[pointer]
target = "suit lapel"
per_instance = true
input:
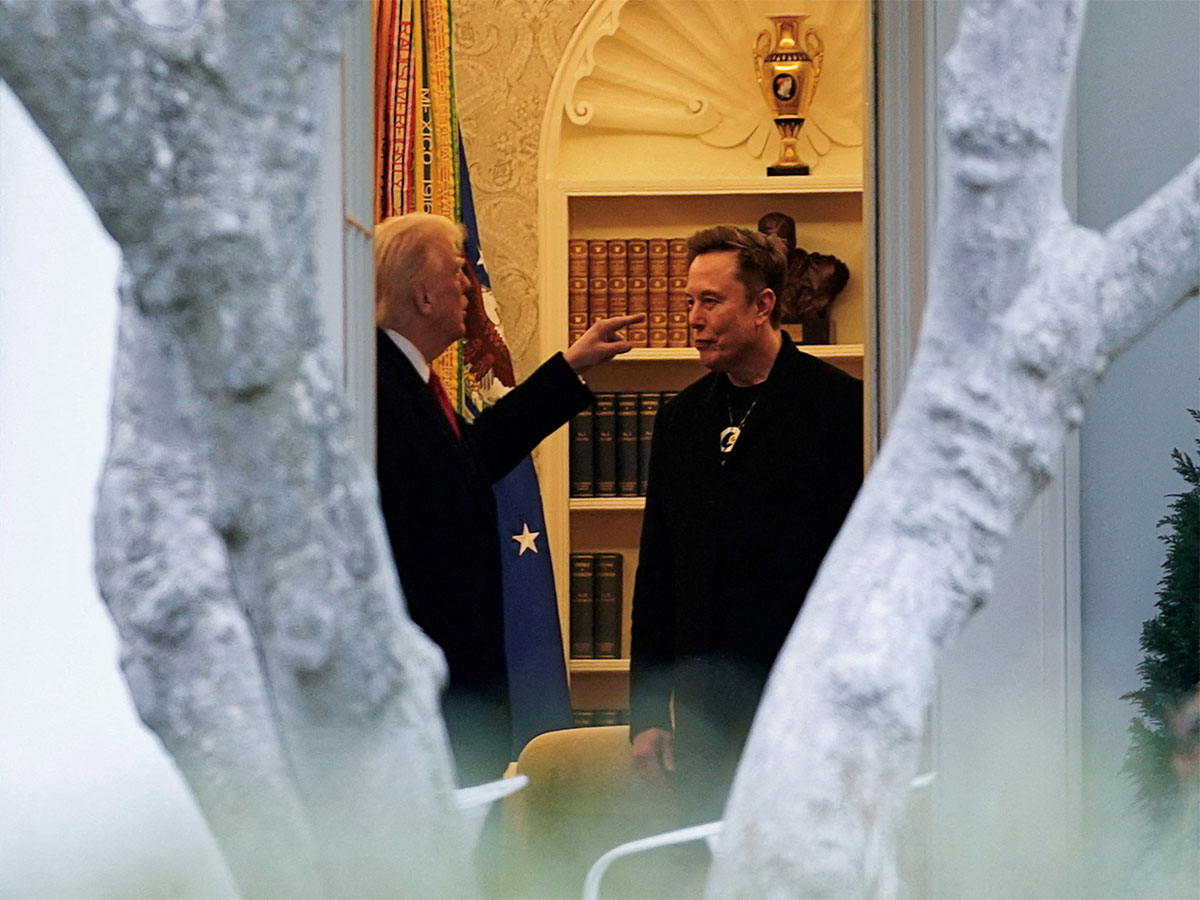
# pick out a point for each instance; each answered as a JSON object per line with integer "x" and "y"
{"x": 422, "y": 397}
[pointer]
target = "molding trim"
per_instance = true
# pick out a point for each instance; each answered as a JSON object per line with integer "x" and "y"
{"x": 358, "y": 254}
{"x": 904, "y": 157}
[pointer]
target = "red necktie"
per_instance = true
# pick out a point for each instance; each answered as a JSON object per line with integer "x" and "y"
{"x": 443, "y": 399}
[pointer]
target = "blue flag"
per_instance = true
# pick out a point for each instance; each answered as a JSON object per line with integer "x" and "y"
{"x": 537, "y": 675}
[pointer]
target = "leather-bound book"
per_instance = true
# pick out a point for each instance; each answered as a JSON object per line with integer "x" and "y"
{"x": 618, "y": 295}
{"x": 597, "y": 280}
{"x": 636, "y": 257}
{"x": 639, "y": 302}
{"x": 608, "y": 606}
{"x": 577, "y": 288}
{"x": 604, "y": 444}
{"x": 677, "y": 311}
{"x": 582, "y": 455}
{"x": 618, "y": 262}
{"x": 577, "y": 258}
{"x": 618, "y": 279}
{"x": 677, "y": 268}
{"x": 577, "y": 307}
{"x": 638, "y": 264}
{"x": 677, "y": 262}
{"x": 627, "y": 444}
{"x": 656, "y": 292}
{"x": 656, "y": 264}
{"x": 657, "y": 250}
{"x": 583, "y": 606}
{"x": 647, "y": 409}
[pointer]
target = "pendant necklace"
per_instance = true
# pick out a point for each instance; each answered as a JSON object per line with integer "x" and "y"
{"x": 730, "y": 435}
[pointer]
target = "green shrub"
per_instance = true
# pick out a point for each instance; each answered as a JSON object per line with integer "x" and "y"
{"x": 1163, "y": 759}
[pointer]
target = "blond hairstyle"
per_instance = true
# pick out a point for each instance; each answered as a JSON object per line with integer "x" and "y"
{"x": 401, "y": 255}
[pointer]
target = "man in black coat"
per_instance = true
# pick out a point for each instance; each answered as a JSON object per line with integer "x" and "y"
{"x": 436, "y": 471}
{"x": 752, "y": 470}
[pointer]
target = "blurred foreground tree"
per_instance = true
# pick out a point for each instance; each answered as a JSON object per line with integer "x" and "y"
{"x": 1026, "y": 311}
{"x": 238, "y": 543}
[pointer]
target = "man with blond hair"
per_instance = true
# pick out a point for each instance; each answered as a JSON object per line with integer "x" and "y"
{"x": 436, "y": 470}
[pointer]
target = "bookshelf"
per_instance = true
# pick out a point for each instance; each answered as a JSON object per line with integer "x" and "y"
{"x": 829, "y": 216}
{"x": 642, "y": 181}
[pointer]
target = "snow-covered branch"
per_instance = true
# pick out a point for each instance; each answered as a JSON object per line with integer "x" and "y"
{"x": 1153, "y": 261}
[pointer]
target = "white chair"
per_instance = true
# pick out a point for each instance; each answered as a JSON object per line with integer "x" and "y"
{"x": 475, "y": 801}
{"x": 709, "y": 831}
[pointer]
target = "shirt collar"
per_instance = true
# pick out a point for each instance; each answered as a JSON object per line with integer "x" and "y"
{"x": 411, "y": 352}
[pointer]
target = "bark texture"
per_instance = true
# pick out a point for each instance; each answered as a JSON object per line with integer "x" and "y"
{"x": 1026, "y": 312}
{"x": 238, "y": 543}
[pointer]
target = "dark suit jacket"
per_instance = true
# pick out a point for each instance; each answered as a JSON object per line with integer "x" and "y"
{"x": 436, "y": 497}
{"x": 728, "y": 551}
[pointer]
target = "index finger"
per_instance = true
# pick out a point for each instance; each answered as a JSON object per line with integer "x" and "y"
{"x": 621, "y": 321}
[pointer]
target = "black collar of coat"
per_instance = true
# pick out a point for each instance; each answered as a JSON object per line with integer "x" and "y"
{"x": 778, "y": 390}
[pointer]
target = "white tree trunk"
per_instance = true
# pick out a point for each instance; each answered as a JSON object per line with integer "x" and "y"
{"x": 239, "y": 547}
{"x": 1026, "y": 311}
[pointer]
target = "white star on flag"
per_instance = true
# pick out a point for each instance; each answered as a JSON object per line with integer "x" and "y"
{"x": 527, "y": 539}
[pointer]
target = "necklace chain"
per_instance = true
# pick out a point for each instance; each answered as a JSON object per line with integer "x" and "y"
{"x": 730, "y": 435}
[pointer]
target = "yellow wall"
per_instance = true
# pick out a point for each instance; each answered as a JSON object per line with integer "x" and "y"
{"x": 505, "y": 56}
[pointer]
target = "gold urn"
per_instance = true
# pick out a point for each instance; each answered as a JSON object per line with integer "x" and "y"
{"x": 788, "y": 70}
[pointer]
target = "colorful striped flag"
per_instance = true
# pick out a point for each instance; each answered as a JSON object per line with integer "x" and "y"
{"x": 422, "y": 167}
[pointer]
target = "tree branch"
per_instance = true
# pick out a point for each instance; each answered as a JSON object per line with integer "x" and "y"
{"x": 195, "y": 139}
{"x": 188, "y": 650}
{"x": 1025, "y": 312}
{"x": 1003, "y": 90}
{"x": 1153, "y": 261}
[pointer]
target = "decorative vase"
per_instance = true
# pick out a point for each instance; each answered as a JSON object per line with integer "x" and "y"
{"x": 788, "y": 74}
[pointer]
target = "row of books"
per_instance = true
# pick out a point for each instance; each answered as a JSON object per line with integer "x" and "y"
{"x": 596, "y": 601}
{"x": 585, "y": 718}
{"x": 630, "y": 275}
{"x": 610, "y": 444}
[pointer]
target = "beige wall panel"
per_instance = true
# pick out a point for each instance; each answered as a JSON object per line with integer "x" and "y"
{"x": 505, "y": 56}
{"x": 668, "y": 89}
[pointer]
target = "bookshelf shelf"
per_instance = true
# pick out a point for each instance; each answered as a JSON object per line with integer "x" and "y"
{"x": 690, "y": 354}
{"x": 606, "y": 504}
{"x": 591, "y": 666}
{"x": 759, "y": 184}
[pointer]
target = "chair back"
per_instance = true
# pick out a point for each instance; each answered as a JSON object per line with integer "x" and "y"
{"x": 584, "y": 797}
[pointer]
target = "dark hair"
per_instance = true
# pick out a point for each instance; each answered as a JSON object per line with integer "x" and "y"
{"x": 761, "y": 258}
{"x": 782, "y": 226}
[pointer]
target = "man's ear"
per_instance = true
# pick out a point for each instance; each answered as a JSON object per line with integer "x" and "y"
{"x": 765, "y": 304}
{"x": 421, "y": 300}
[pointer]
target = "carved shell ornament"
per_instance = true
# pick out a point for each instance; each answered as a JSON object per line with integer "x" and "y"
{"x": 686, "y": 68}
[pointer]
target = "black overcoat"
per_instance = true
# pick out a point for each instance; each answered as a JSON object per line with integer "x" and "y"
{"x": 731, "y": 542}
{"x": 436, "y": 497}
